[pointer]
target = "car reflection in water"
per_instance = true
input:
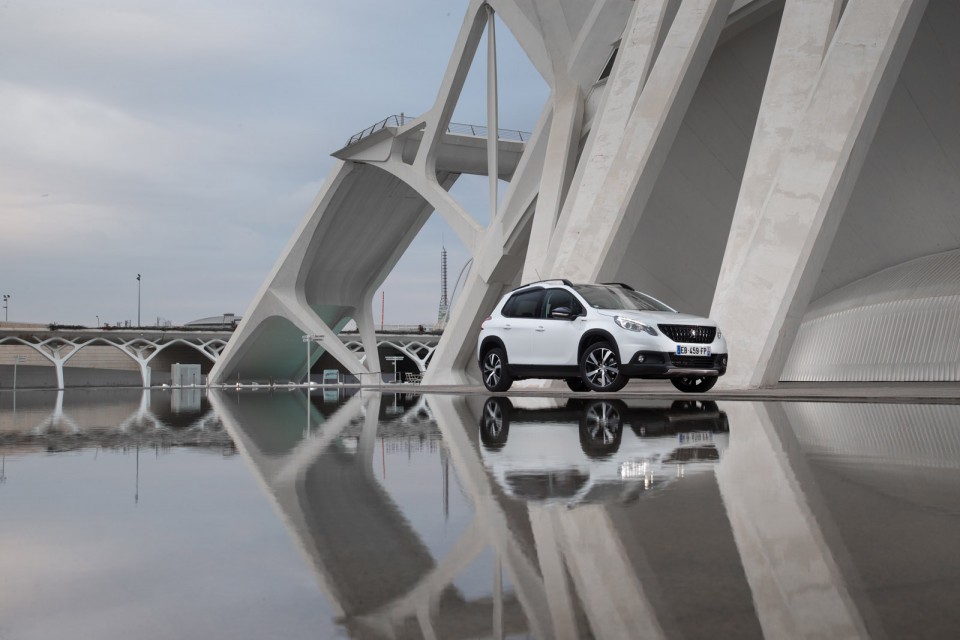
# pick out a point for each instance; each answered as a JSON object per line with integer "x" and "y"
{"x": 597, "y": 450}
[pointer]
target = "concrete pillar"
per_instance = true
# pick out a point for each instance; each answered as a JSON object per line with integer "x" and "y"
{"x": 806, "y": 28}
{"x": 771, "y": 271}
{"x": 637, "y": 124}
{"x": 562, "y": 144}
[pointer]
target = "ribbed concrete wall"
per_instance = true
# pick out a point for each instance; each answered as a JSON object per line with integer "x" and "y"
{"x": 901, "y": 324}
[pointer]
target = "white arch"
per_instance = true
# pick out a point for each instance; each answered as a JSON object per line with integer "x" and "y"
{"x": 51, "y": 348}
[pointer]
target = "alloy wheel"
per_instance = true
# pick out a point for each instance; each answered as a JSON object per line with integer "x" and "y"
{"x": 602, "y": 368}
{"x": 492, "y": 370}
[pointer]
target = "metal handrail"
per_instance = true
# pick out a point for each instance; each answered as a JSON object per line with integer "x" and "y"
{"x": 474, "y": 130}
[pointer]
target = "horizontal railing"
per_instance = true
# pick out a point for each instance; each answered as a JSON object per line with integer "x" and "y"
{"x": 454, "y": 128}
{"x": 402, "y": 329}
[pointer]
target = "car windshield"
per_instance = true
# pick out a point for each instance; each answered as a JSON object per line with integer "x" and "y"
{"x": 604, "y": 297}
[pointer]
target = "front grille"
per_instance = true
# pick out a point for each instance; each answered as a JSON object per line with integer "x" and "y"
{"x": 688, "y": 333}
{"x": 692, "y": 362}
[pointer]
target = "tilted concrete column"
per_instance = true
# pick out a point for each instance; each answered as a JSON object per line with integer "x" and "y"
{"x": 634, "y": 135}
{"x": 497, "y": 263}
{"x": 799, "y": 591}
{"x": 771, "y": 270}
{"x": 368, "y": 334}
{"x": 806, "y": 28}
{"x": 562, "y": 143}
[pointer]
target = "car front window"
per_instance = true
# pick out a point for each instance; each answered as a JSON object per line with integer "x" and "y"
{"x": 603, "y": 297}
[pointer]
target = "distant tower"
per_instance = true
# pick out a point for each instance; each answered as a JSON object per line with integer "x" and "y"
{"x": 442, "y": 317}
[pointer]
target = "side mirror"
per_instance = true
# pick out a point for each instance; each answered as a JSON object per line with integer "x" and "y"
{"x": 562, "y": 313}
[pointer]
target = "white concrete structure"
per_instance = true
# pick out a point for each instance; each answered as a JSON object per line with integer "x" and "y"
{"x": 746, "y": 159}
{"x": 58, "y": 347}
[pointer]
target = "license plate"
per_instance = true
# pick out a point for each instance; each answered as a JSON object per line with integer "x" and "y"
{"x": 693, "y": 350}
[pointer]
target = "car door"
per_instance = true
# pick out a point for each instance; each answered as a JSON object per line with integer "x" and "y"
{"x": 556, "y": 339}
{"x": 521, "y": 317}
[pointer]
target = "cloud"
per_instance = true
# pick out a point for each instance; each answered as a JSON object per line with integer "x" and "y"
{"x": 186, "y": 140}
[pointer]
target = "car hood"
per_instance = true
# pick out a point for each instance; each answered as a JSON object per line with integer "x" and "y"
{"x": 665, "y": 317}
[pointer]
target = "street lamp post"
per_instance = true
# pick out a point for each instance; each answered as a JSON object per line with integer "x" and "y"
{"x": 98, "y": 322}
{"x": 309, "y": 338}
{"x": 138, "y": 299}
{"x": 394, "y": 360}
{"x": 17, "y": 360}
{"x": 6, "y": 304}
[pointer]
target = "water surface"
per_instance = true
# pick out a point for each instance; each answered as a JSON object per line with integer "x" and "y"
{"x": 249, "y": 515}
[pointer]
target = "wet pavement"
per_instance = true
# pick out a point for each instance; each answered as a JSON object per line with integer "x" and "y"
{"x": 349, "y": 514}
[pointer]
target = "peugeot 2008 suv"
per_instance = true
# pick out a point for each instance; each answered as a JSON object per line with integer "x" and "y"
{"x": 596, "y": 337}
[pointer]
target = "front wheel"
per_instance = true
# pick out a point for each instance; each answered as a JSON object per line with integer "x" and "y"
{"x": 601, "y": 427}
{"x": 494, "y": 370}
{"x": 694, "y": 384}
{"x": 600, "y": 368}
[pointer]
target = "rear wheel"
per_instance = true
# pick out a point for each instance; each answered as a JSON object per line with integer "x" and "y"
{"x": 600, "y": 368}
{"x": 494, "y": 370}
{"x": 495, "y": 423}
{"x": 694, "y": 384}
{"x": 576, "y": 384}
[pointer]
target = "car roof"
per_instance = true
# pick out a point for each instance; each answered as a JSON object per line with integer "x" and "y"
{"x": 539, "y": 284}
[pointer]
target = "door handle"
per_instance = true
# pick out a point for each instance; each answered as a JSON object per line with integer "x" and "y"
{"x": 506, "y": 326}
{"x": 540, "y": 329}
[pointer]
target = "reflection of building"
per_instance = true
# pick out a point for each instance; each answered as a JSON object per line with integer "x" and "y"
{"x": 816, "y": 523}
{"x": 845, "y": 516}
{"x": 377, "y": 573}
{"x": 558, "y": 573}
{"x": 787, "y": 166}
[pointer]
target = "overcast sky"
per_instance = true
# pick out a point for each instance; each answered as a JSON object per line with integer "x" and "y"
{"x": 184, "y": 141}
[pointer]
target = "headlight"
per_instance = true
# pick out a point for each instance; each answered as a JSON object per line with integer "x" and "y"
{"x": 633, "y": 325}
{"x": 719, "y": 334}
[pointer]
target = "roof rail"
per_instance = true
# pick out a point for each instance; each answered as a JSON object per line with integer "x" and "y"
{"x": 619, "y": 284}
{"x": 563, "y": 280}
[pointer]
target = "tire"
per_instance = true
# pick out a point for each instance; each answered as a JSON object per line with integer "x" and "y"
{"x": 601, "y": 428}
{"x": 576, "y": 384}
{"x": 600, "y": 368}
{"x": 495, "y": 423}
{"x": 493, "y": 369}
{"x": 694, "y": 384}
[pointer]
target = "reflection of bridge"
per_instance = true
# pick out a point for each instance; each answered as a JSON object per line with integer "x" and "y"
{"x": 147, "y": 349}
{"x": 772, "y": 540}
{"x": 117, "y": 419}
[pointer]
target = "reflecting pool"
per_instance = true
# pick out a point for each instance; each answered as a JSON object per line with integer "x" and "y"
{"x": 332, "y": 514}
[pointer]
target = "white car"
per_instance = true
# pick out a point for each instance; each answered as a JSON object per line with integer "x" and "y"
{"x": 596, "y": 337}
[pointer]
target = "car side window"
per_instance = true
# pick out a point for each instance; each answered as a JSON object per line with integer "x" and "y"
{"x": 560, "y": 298}
{"x": 525, "y": 304}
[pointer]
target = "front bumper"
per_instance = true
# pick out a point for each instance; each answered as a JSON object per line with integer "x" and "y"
{"x": 660, "y": 364}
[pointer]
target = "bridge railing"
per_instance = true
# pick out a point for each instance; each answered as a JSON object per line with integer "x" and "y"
{"x": 456, "y": 128}
{"x": 402, "y": 329}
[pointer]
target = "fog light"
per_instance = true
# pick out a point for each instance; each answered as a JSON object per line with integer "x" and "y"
{"x": 723, "y": 361}
{"x": 641, "y": 358}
